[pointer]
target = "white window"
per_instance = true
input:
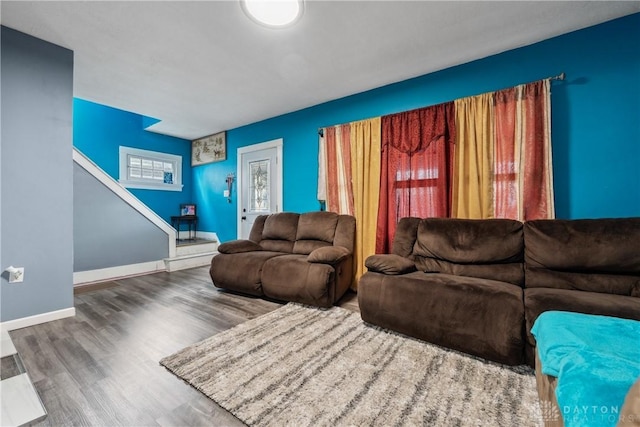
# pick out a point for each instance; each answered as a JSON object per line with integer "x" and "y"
{"x": 150, "y": 170}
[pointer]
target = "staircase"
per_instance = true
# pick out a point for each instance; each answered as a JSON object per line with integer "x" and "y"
{"x": 182, "y": 253}
{"x": 192, "y": 253}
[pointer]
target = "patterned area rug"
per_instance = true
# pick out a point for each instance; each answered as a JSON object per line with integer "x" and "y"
{"x": 306, "y": 366}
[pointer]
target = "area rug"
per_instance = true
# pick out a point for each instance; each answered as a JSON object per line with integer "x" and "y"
{"x": 306, "y": 366}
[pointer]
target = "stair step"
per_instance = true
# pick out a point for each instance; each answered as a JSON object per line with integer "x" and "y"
{"x": 199, "y": 248}
{"x": 189, "y": 261}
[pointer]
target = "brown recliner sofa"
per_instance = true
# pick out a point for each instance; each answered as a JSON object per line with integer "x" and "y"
{"x": 305, "y": 258}
{"x": 478, "y": 285}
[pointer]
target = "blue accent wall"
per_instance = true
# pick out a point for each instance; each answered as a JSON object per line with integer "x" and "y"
{"x": 99, "y": 131}
{"x": 595, "y": 124}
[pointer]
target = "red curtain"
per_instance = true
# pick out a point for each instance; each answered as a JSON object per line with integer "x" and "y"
{"x": 538, "y": 178}
{"x": 416, "y": 167}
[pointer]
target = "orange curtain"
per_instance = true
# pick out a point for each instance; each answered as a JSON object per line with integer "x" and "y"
{"x": 339, "y": 190}
{"x": 523, "y": 173}
{"x": 507, "y": 203}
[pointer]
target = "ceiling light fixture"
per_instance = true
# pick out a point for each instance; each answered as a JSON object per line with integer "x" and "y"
{"x": 273, "y": 13}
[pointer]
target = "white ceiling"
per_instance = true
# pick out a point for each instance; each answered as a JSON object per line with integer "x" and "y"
{"x": 202, "y": 67}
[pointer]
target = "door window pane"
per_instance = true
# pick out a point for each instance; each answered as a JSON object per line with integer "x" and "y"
{"x": 259, "y": 186}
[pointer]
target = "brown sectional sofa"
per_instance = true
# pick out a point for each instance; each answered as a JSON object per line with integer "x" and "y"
{"x": 588, "y": 266}
{"x": 478, "y": 285}
{"x": 306, "y": 258}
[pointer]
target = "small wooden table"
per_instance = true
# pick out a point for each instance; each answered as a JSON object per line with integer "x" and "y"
{"x": 190, "y": 220}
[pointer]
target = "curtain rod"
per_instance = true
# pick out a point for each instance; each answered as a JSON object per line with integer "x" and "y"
{"x": 560, "y": 76}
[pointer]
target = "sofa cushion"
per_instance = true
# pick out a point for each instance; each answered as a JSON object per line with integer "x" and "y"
{"x": 390, "y": 264}
{"x": 281, "y": 226}
{"x": 328, "y": 255}
{"x": 510, "y": 273}
{"x": 315, "y": 230}
{"x": 240, "y": 271}
{"x": 305, "y": 247}
{"x": 279, "y": 232}
{"x": 617, "y": 284}
{"x": 238, "y": 246}
{"x": 539, "y": 300}
{"x": 345, "y": 232}
{"x": 594, "y": 255}
{"x": 467, "y": 241}
{"x": 405, "y": 237}
{"x": 477, "y": 316}
{"x": 489, "y": 248}
{"x": 317, "y": 226}
{"x": 292, "y": 278}
{"x": 255, "y": 234}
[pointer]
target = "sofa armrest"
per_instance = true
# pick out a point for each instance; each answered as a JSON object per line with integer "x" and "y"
{"x": 239, "y": 246}
{"x": 390, "y": 264}
{"x": 328, "y": 255}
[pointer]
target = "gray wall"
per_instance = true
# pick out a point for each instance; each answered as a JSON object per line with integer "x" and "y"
{"x": 36, "y": 175}
{"x": 125, "y": 236}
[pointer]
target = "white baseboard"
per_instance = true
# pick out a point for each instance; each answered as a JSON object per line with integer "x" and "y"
{"x": 118, "y": 272}
{"x": 24, "y": 322}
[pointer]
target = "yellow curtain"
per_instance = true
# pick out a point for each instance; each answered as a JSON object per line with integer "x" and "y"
{"x": 472, "y": 171}
{"x": 365, "y": 176}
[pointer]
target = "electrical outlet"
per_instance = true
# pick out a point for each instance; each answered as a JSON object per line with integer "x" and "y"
{"x": 16, "y": 274}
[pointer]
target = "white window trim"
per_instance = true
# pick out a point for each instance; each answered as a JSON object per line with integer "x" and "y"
{"x": 175, "y": 159}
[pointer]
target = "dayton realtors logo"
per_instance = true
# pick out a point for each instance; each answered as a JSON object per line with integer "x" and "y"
{"x": 593, "y": 414}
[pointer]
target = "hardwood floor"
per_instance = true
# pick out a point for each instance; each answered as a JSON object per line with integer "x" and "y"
{"x": 101, "y": 368}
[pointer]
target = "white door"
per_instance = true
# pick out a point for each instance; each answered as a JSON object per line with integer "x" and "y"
{"x": 259, "y": 183}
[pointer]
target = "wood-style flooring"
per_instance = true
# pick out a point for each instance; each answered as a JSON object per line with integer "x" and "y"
{"x": 100, "y": 368}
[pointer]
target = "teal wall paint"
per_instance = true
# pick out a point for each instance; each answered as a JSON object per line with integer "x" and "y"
{"x": 595, "y": 125}
{"x": 99, "y": 131}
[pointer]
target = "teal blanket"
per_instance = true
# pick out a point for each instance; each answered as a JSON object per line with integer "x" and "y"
{"x": 596, "y": 360}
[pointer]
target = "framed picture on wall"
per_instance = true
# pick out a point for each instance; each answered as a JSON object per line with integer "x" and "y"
{"x": 209, "y": 149}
